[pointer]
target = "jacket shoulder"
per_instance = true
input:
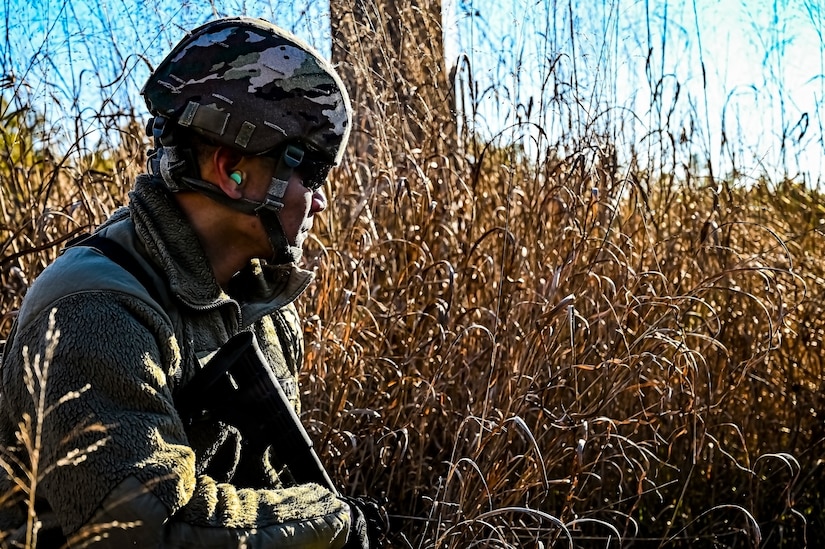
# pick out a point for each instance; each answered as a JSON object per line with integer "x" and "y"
{"x": 80, "y": 269}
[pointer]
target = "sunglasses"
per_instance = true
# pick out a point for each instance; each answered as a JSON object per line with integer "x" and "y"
{"x": 312, "y": 166}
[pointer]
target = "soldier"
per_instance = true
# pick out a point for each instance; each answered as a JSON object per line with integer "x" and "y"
{"x": 248, "y": 120}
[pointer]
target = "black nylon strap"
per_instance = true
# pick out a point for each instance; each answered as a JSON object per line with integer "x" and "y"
{"x": 119, "y": 255}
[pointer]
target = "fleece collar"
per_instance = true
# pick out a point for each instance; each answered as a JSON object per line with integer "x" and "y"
{"x": 163, "y": 229}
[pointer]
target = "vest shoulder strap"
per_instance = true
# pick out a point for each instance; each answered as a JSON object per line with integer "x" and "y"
{"x": 124, "y": 259}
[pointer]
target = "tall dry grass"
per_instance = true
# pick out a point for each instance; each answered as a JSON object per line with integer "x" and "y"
{"x": 564, "y": 342}
{"x": 513, "y": 352}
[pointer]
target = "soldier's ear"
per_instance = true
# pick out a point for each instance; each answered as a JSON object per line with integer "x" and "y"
{"x": 225, "y": 173}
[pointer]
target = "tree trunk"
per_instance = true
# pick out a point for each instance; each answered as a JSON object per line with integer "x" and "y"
{"x": 391, "y": 55}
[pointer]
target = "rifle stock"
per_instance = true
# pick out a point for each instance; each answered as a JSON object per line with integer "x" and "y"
{"x": 238, "y": 387}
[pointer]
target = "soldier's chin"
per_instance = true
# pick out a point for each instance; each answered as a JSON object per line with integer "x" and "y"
{"x": 300, "y": 238}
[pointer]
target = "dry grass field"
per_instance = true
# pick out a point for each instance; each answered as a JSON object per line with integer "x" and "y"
{"x": 525, "y": 349}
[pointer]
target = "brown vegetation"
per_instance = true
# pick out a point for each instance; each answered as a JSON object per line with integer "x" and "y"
{"x": 530, "y": 350}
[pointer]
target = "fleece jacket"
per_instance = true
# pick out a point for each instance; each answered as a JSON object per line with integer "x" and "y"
{"x": 89, "y": 378}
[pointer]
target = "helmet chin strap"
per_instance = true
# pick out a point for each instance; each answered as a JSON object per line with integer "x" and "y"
{"x": 283, "y": 251}
{"x": 267, "y": 211}
{"x": 172, "y": 163}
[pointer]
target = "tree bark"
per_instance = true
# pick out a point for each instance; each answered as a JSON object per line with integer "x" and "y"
{"x": 391, "y": 55}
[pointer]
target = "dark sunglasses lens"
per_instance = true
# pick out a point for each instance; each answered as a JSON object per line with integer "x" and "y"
{"x": 309, "y": 164}
{"x": 314, "y": 173}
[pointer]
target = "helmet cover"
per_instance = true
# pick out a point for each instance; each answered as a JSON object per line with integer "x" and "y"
{"x": 251, "y": 86}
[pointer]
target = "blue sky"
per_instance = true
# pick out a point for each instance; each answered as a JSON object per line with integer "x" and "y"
{"x": 762, "y": 82}
{"x": 763, "y": 66}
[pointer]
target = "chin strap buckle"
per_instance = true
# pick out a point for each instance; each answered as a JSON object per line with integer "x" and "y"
{"x": 291, "y": 158}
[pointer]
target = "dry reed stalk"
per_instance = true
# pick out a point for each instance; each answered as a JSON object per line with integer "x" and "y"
{"x": 521, "y": 347}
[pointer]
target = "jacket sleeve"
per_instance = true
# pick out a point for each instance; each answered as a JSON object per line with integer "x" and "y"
{"x": 115, "y": 466}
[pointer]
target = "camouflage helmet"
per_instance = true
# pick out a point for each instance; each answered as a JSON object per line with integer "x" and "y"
{"x": 251, "y": 86}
